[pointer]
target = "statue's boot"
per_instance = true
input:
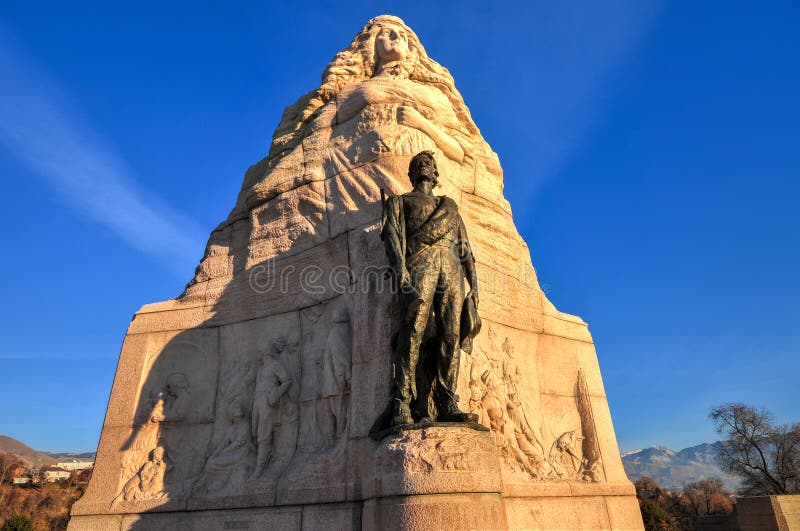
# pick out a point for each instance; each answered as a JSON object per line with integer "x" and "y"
{"x": 450, "y": 413}
{"x": 401, "y": 413}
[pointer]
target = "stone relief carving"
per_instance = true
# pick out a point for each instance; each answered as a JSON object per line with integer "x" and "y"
{"x": 575, "y": 454}
{"x": 182, "y": 447}
{"x": 256, "y": 427}
{"x": 148, "y": 482}
{"x": 381, "y": 98}
{"x": 231, "y": 463}
{"x": 325, "y": 390}
{"x": 381, "y": 95}
{"x": 258, "y": 416}
{"x": 314, "y": 321}
{"x": 259, "y": 398}
{"x": 566, "y": 455}
{"x": 593, "y": 459}
{"x": 230, "y": 456}
{"x": 434, "y": 449}
{"x": 391, "y": 99}
{"x": 325, "y": 384}
{"x": 168, "y": 405}
{"x": 147, "y": 460}
{"x": 336, "y": 369}
{"x": 272, "y": 386}
{"x": 496, "y": 396}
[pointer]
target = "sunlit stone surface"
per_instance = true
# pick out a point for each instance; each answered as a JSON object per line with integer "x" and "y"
{"x": 246, "y": 402}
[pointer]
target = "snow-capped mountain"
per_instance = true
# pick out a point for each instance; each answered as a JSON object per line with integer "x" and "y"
{"x": 673, "y": 469}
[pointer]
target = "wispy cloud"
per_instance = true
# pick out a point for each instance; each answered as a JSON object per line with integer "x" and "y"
{"x": 40, "y": 128}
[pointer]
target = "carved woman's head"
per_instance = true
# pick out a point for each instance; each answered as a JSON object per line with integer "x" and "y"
{"x": 384, "y": 42}
{"x": 391, "y": 44}
{"x": 385, "y": 39}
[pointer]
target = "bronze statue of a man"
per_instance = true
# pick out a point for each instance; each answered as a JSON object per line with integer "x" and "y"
{"x": 427, "y": 245}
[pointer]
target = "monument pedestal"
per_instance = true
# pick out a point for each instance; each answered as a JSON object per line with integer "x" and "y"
{"x": 429, "y": 478}
{"x": 247, "y": 402}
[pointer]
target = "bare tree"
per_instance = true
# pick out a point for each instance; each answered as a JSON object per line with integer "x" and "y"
{"x": 5, "y": 466}
{"x": 764, "y": 456}
{"x": 708, "y": 496}
{"x": 9, "y": 463}
{"x": 653, "y": 502}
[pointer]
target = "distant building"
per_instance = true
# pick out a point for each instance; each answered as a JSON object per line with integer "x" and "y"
{"x": 54, "y": 474}
{"x": 24, "y": 480}
{"x": 75, "y": 464}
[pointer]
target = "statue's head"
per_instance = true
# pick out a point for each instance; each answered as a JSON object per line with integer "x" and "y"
{"x": 423, "y": 166}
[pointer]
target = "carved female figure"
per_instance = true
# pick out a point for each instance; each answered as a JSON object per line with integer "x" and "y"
{"x": 393, "y": 112}
{"x": 381, "y": 97}
{"x": 230, "y": 461}
{"x": 148, "y": 482}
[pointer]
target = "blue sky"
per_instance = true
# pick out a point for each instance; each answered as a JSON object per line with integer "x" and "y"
{"x": 651, "y": 155}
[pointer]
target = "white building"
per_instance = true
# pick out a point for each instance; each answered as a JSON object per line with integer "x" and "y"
{"x": 75, "y": 464}
{"x": 53, "y": 474}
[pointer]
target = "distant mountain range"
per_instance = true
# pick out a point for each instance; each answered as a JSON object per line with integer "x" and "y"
{"x": 675, "y": 469}
{"x": 35, "y": 458}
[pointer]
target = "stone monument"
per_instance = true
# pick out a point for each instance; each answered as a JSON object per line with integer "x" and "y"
{"x": 248, "y": 401}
